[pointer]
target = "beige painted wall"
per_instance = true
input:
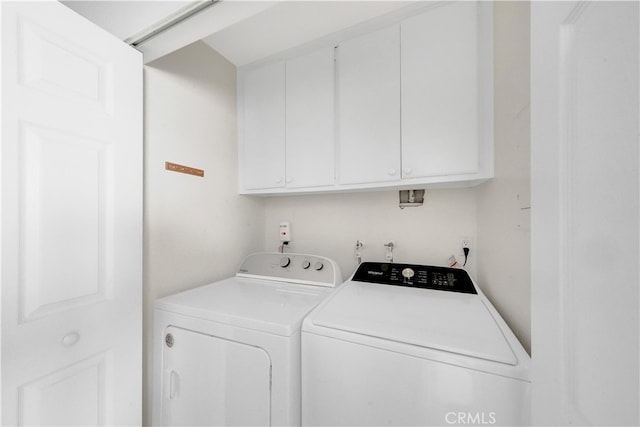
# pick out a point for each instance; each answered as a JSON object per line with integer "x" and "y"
{"x": 196, "y": 229}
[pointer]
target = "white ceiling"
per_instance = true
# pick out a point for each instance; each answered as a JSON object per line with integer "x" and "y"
{"x": 123, "y": 19}
{"x": 242, "y": 31}
{"x": 290, "y": 24}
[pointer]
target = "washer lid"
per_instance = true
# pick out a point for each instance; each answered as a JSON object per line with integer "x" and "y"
{"x": 262, "y": 305}
{"x": 453, "y": 322}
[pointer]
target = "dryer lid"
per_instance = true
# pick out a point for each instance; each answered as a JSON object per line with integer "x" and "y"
{"x": 454, "y": 322}
{"x": 262, "y": 305}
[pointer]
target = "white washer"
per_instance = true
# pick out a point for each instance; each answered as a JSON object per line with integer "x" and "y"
{"x": 402, "y": 344}
{"x": 228, "y": 353}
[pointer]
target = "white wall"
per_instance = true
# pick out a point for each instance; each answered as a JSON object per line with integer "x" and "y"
{"x": 196, "y": 229}
{"x": 494, "y": 215}
{"x": 504, "y": 232}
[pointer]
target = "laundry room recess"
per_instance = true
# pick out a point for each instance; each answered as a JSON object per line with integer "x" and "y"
{"x": 198, "y": 228}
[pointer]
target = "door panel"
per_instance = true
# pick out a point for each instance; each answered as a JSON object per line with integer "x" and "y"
{"x": 585, "y": 213}
{"x": 66, "y": 199}
{"x": 71, "y": 224}
{"x": 53, "y": 64}
{"x": 209, "y": 381}
{"x": 72, "y": 396}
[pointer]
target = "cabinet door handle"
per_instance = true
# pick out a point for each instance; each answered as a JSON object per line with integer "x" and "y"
{"x": 289, "y": 180}
{"x": 391, "y": 172}
{"x": 407, "y": 171}
{"x": 279, "y": 181}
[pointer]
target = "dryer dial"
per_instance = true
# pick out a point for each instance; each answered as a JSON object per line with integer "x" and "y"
{"x": 285, "y": 261}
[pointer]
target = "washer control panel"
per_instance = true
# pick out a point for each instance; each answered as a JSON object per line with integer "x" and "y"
{"x": 415, "y": 276}
{"x": 288, "y": 267}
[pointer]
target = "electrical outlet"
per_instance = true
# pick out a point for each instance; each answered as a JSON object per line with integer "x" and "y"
{"x": 285, "y": 231}
{"x": 466, "y": 243}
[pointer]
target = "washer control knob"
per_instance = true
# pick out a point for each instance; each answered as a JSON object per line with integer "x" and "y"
{"x": 306, "y": 264}
{"x": 285, "y": 261}
{"x": 318, "y": 266}
{"x": 407, "y": 273}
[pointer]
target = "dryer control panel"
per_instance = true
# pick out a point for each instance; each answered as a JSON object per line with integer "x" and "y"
{"x": 415, "y": 276}
{"x": 295, "y": 268}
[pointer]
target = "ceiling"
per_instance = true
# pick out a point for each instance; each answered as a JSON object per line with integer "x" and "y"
{"x": 125, "y": 18}
{"x": 242, "y": 31}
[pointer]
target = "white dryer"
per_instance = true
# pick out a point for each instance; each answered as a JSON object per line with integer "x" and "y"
{"x": 402, "y": 344}
{"x": 228, "y": 353}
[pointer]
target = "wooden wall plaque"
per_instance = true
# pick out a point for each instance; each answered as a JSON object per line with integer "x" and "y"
{"x": 183, "y": 169}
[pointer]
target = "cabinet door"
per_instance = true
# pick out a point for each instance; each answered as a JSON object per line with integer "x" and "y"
{"x": 263, "y": 128}
{"x": 440, "y": 91}
{"x": 309, "y": 120}
{"x": 369, "y": 107}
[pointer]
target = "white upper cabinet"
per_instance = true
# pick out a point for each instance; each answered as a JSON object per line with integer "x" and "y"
{"x": 402, "y": 101}
{"x": 262, "y": 129}
{"x": 309, "y": 119}
{"x": 440, "y": 120}
{"x": 368, "y": 87}
{"x": 286, "y": 133}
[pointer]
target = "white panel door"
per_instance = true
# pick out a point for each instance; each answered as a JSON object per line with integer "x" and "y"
{"x": 211, "y": 381}
{"x": 71, "y": 254}
{"x": 309, "y": 119}
{"x": 262, "y": 132}
{"x": 368, "y": 79}
{"x": 585, "y": 213}
{"x": 440, "y": 132}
